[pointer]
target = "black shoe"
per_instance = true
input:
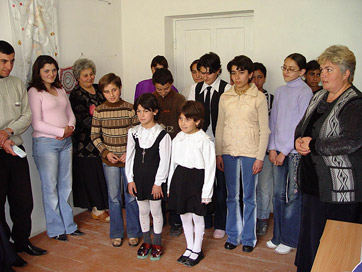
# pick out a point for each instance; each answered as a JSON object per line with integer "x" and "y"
{"x": 61, "y": 237}
{"x": 33, "y": 250}
{"x": 20, "y": 262}
{"x": 175, "y": 230}
{"x": 191, "y": 262}
{"x": 7, "y": 269}
{"x": 261, "y": 227}
{"x": 248, "y": 249}
{"x": 77, "y": 233}
{"x": 229, "y": 246}
{"x": 182, "y": 259}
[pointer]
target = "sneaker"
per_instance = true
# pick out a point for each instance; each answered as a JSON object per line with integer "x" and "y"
{"x": 143, "y": 251}
{"x": 156, "y": 252}
{"x": 218, "y": 234}
{"x": 261, "y": 227}
{"x": 283, "y": 249}
{"x": 271, "y": 245}
{"x": 175, "y": 230}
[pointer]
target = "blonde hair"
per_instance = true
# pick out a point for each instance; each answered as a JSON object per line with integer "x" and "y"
{"x": 340, "y": 55}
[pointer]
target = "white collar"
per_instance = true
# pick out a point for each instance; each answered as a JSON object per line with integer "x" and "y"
{"x": 214, "y": 86}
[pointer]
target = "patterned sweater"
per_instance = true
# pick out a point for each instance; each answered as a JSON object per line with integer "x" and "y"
{"x": 110, "y": 125}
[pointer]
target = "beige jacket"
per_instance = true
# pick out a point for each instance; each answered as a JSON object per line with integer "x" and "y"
{"x": 243, "y": 124}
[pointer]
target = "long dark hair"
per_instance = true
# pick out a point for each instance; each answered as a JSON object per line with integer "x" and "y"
{"x": 36, "y": 80}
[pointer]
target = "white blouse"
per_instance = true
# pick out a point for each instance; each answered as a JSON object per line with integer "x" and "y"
{"x": 195, "y": 151}
{"x": 146, "y": 138}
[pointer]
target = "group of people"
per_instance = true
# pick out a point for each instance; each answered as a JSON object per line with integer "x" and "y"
{"x": 215, "y": 160}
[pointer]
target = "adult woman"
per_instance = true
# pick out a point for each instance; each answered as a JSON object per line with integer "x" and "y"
{"x": 241, "y": 140}
{"x": 89, "y": 185}
{"x": 53, "y": 123}
{"x": 329, "y": 137}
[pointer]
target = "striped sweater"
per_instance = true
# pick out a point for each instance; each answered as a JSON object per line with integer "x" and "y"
{"x": 110, "y": 125}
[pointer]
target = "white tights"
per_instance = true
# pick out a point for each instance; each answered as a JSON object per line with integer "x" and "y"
{"x": 199, "y": 223}
{"x": 153, "y": 206}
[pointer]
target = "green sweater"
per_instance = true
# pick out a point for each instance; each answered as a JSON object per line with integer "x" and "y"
{"x": 110, "y": 125}
{"x": 14, "y": 108}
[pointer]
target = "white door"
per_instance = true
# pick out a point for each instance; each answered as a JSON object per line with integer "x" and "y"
{"x": 227, "y": 36}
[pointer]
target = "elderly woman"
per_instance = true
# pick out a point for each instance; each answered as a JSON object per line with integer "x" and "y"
{"x": 89, "y": 185}
{"x": 329, "y": 138}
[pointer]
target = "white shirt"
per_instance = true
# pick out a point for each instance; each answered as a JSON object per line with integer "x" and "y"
{"x": 146, "y": 138}
{"x": 195, "y": 151}
{"x": 214, "y": 88}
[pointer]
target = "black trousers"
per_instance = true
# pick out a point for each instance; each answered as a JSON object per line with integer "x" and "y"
{"x": 16, "y": 187}
{"x": 7, "y": 253}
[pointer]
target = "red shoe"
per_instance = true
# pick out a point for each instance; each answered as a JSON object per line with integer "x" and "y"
{"x": 143, "y": 251}
{"x": 156, "y": 252}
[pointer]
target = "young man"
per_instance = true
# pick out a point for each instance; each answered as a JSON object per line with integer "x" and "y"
{"x": 313, "y": 76}
{"x": 15, "y": 118}
{"x": 208, "y": 93}
{"x": 264, "y": 189}
{"x": 171, "y": 103}
{"x": 146, "y": 86}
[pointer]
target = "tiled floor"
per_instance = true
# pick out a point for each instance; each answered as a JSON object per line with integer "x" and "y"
{"x": 94, "y": 252}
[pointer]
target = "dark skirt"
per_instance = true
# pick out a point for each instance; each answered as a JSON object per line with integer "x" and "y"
{"x": 314, "y": 217}
{"x": 186, "y": 190}
{"x": 89, "y": 184}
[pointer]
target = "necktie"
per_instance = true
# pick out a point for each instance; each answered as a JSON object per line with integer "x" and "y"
{"x": 207, "y": 109}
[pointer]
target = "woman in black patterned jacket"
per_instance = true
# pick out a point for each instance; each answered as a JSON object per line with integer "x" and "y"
{"x": 329, "y": 138}
{"x": 89, "y": 185}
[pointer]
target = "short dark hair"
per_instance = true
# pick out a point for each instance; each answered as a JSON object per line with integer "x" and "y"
{"x": 299, "y": 59}
{"x": 107, "y": 79}
{"x": 211, "y": 61}
{"x": 36, "y": 80}
{"x": 196, "y": 61}
{"x": 261, "y": 67}
{"x": 162, "y": 76}
{"x": 149, "y": 102}
{"x": 161, "y": 60}
{"x": 312, "y": 65}
{"x": 242, "y": 63}
{"x": 194, "y": 110}
{"x": 6, "y": 48}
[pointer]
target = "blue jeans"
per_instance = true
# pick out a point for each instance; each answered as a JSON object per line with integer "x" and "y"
{"x": 53, "y": 158}
{"x": 287, "y": 201}
{"x": 240, "y": 228}
{"x": 264, "y": 189}
{"x": 114, "y": 177}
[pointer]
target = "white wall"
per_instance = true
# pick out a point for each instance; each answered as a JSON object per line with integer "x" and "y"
{"x": 281, "y": 27}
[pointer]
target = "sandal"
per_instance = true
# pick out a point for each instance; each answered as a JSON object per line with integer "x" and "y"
{"x": 133, "y": 241}
{"x": 103, "y": 217}
{"x": 117, "y": 242}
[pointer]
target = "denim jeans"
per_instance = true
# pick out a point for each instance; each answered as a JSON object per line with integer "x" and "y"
{"x": 240, "y": 228}
{"x": 264, "y": 189}
{"x": 114, "y": 177}
{"x": 53, "y": 159}
{"x": 287, "y": 201}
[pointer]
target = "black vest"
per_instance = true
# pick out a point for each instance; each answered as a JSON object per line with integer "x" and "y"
{"x": 214, "y": 107}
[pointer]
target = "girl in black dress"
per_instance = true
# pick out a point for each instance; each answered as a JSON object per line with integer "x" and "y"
{"x": 191, "y": 178}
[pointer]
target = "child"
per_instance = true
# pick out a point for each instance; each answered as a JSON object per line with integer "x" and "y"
{"x": 241, "y": 140}
{"x": 146, "y": 86}
{"x": 192, "y": 174}
{"x": 290, "y": 103}
{"x": 147, "y": 164}
{"x": 313, "y": 76}
{"x": 110, "y": 124}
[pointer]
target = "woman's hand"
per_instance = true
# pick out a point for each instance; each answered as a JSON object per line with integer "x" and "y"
{"x": 132, "y": 190}
{"x": 123, "y": 158}
{"x": 302, "y": 145}
{"x": 112, "y": 158}
{"x": 156, "y": 192}
{"x": 68, "y": 131}
{"x": 219, "y": 163}
{"x": 257, "y": 167}
{"x": 272, "y": 156}
{"x": 279, "y": 160}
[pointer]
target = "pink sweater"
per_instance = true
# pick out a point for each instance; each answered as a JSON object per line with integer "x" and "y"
{"x": 50, "y": 114}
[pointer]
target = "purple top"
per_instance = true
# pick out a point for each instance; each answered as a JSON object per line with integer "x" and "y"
{"x": 290, "y": 103}
{"x": 146, "y": 86}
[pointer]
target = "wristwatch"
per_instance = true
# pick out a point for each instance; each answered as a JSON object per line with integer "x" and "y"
{"x": 10, "y": 133}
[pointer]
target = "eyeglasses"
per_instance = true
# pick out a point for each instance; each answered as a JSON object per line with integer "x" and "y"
{"x": 292, "y": 70}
